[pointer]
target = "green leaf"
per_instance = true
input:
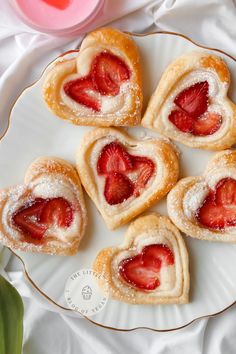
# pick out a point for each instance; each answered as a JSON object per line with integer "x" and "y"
{"x": 11, "y": 319}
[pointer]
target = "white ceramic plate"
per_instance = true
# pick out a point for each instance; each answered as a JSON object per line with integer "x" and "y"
{"x": 34, "y": 131}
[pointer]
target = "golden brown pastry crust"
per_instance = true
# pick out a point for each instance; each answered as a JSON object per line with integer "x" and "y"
{"x": 144, "y": 224}
{"x": 46, "y": 166}
{"x": 225, "y": 137}
{"x": 168, "y": 169}
{"x": 107, "y": 39}
{"x": 222, "y": 162}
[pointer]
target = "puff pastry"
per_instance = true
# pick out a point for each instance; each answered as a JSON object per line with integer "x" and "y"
{"x": 47, "y": 214}
{"x": 204, "y": 207}
{"x": 190, "y": 104}
{"x": 124, "y": 176}
{"x": 101, "y": 85}
{"x": 150, "y": 267}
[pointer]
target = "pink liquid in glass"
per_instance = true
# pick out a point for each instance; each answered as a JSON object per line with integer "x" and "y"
{"x": 57, "y": 14}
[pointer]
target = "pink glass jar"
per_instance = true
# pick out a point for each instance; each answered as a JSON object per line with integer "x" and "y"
{"x": 58, "y": 17}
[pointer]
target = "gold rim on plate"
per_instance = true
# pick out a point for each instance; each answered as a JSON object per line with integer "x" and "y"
{"x": 24, "y": 266}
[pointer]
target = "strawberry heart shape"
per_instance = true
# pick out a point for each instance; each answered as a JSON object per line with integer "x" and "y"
{"x": 205, "y": 207}
{"x": 106, "y": 76}
{"x": 47, "y": 214}
{"x": 218, "y": 210}
{"x": 142, "y": 271}
{"x": 116, "y": 163}
{"x": 124, "y": 176}
{"x": 190, "y": 104}
{"x": 58, "y": 4}
{"x": 150, "y": 267}
{"x": 191, "y": 115}
{"x": 100, "y": 84}
{"x": 35, "y": 218}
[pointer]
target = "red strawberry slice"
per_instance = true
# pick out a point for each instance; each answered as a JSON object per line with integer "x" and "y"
{"x": 194, "y": 99}
{"x": 79, "y": 89}
{"x": 216, "y": 216}
{"x": 182, "y": 120}
{"x": 27, "y": 219}
{"x": 192, "y": 116}
{"x": 133, "y": 271}
{"x": 113, "y": 158}
{"x": 57, "y": 211}
{"x": 219, "y": 208}
{"x": 59, "y": 4}
{"x": 142, "y": 271}
{"x": 116, "y": 162}
{"x": 33, "y": 219}
{"x": 226, "y": 192}
{"x": 145, "y": 169}
{"x": 117, "y": 188}
{"x": 109, "y": 72}
{"x": 207, "y": 124}
{"x": 160, "y": 253}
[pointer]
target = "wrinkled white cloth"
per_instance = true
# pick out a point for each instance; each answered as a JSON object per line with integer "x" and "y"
{"x": 24, "y": 54}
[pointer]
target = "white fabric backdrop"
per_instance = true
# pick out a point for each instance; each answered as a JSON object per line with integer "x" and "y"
{"x": 23, "y": 55}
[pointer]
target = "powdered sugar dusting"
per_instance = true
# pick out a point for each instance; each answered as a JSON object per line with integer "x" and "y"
{"x": 194, "y": 198}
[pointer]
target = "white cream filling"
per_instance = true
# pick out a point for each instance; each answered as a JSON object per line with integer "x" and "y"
{"x": 217, "y": 104}
{"x": 118, "y": 104}
{"x": 170, "y": 276}
{"x": 44, "y": 187}
{"x": 195, "y": 196}
{"x": 153, "y": 182}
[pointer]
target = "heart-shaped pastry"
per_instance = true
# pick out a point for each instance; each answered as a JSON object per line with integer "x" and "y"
{"x": 125, "y": 176}
{"x": 47, "y": 214}
{"x": 99, "y": 86}
{"x": 190, "y": 104}
{"x": 205, "y": 207}
{"x": 150, "y": 267}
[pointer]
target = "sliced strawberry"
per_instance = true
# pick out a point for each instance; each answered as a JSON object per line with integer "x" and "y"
{"x": 216, "y": 216}
{"x": 133, "y": 271}
{"x": 145, "y": 169}
{"x": 34, "y": 218}
{"x": 27, "y": 219}
{"x": 117, "y": 188}
{"x": 226, "y": 192}
{"x": 207, "y": 124}
{"x": 108, "y": 72}
{"x": 157, "y": 253}
{"x": 219, "y": 208}
{"x": 113, "y": 158}
{"x": 192, "y": 116}
{"x": 59, "y": 4}
{"x": 182, "y": 120}
{"x": 142, "y": 271}
{"x": 57, "y": 211}
{"x": 78, "y": 91}
{"x": 194, "y": 99}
